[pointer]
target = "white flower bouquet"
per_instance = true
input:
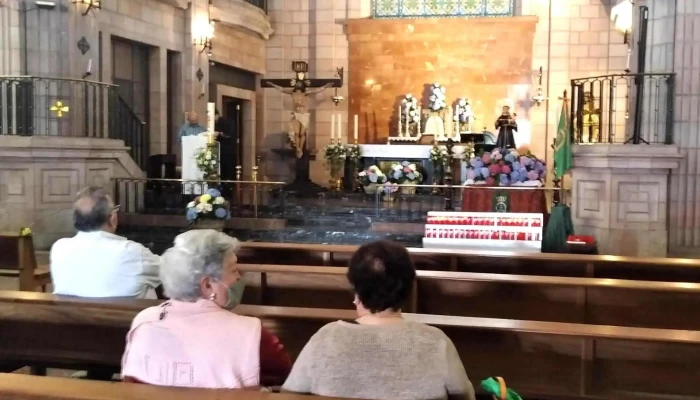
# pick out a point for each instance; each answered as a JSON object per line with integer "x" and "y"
{"x": 405, "y": 173}
{"x": 438, "y": 100}
{"x": 438, "y": 155}
{"x": 207, "y": 160}
{"x": 409, "y": 110}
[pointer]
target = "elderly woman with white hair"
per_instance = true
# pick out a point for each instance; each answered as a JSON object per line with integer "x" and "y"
{"x": 194, "y": 339}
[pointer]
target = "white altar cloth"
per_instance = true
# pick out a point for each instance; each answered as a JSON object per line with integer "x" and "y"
{"x": 405, "y": 151}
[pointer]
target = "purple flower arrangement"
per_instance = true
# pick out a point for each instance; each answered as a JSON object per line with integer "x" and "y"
{"x": 505, "y": 167}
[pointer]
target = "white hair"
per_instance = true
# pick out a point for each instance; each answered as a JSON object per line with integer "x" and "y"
{"x": 196, "y": 254}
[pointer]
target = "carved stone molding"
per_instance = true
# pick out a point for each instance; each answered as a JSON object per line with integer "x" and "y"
{"x": 176, "y": 3}
{"x": 239, "y": 14}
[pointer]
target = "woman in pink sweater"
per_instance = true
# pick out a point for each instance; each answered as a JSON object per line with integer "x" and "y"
{"x": 195, "y": 340}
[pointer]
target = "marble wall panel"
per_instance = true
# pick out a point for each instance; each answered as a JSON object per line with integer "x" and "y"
{"x": 484, "y": 59}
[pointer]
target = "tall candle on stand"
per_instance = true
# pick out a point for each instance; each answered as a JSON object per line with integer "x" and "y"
{"x": 357, "y": 120}
{"x": 408, "y": 122}
{"x": 399, "y": 115}
{"x": 211, "y": 109}
{"x": 340, "y": 127}
{"x": 332, "y": 127}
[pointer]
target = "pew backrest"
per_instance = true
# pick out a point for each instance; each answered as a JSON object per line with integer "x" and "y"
{"x": 25, "y": 387}
{"x": 19, "y": 260}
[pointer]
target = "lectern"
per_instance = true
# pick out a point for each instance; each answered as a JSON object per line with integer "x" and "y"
{"x": 191, "y": 174}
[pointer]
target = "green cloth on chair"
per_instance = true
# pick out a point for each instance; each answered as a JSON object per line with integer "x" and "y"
{"x": 492, "y": 387}
{"x": 558, "y": 230}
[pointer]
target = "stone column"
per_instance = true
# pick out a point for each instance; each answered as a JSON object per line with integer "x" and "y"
{"x": 620, "y": 197}
{"x": 10, "y": 39}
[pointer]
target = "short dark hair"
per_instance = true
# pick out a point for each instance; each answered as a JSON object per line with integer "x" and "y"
{"x": 92, "y": 209}
{"x": 382, "y": 275}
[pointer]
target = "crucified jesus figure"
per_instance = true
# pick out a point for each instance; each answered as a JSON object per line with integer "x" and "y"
{"x": 299, "y": 124}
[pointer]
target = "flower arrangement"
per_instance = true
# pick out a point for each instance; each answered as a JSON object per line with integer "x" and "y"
{"x": 438, "y": 100}
{"x": 405, "y": 173}
{"x": 372, "y": 175}
{"x": 409, "y": 110}
{"x": 438, "y": 155}
{"x": 463, "y": 113}
{"x": 207, "y": 160}
{"x": 210, "y": 205}
{"x": 335, "y": 153}
{"x": 353, "y": 152}
{"x": 388, "y": 188}
{"x": 506, "y": 167}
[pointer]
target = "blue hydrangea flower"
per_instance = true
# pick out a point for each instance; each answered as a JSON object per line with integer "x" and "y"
{"x": 373, "y": 178}
{"x": 515, "y": 176}
{"x": 509, "y": 158}
{"x": 213, "y": 193}
{"x": 220, "y": 213}
{"x": 477, "y": 163}
{"x": 191, "y": 214}
{"x": 477, "y": 172}
{"x": 485, "y": 172}
{"x": 397, "y": 174}
{"x": 411, "y": 176}
{"x": 516, "y": 166}
{"x": 504, "y": 180}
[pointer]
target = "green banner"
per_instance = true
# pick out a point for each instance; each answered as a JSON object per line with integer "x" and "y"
{"x": 563, "y": 153}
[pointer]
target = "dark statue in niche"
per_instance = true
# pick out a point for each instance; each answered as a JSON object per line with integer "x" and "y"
{"x": 505, "y": 124}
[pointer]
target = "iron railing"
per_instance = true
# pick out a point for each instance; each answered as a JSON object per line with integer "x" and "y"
{"x": 261, "y": 199}
{"x": 262, "y": 4}
{"x": 622, "y": 108}
{"x": 37, "y": 106}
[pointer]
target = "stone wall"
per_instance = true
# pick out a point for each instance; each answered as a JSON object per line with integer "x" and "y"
{"x": 313, "y": 31}
{"x": 483, "y": 59}
{"x": 44, "y": 42}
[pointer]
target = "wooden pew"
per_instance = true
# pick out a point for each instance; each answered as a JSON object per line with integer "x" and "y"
{"x": 28, "y": 387}
{"x": 600, "y": 301}
{"x": 18, "y": 260}
{"x": 543, "y": 360}
{"x": 569, "y": 265}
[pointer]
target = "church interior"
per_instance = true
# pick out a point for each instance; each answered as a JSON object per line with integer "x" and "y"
{"x": 533, "y": 159}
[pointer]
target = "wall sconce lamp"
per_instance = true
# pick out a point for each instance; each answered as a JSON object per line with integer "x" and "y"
{"x": 202, "y": 35}
{"x": 539, "y": 97}
{"x": 621, "y": 15}
{"x": 90, "y": 5}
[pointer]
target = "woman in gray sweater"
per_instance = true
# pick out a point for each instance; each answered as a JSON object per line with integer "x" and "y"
{"x": 380, "y": 355}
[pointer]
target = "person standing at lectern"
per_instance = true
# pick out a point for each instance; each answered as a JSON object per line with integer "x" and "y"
{"x": 192, "y": 126}
{"x": 227, "y": 152}
{"x": 506, "y": 125}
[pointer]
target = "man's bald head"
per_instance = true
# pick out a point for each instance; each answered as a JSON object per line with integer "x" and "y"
{"x": 192, "y": 117}
{"x": 93, "y": 210}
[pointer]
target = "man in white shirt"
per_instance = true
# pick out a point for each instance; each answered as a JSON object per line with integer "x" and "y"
{"x": 96, "y": 262}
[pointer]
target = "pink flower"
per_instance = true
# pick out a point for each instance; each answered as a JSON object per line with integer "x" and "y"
{"x": 486, "y": 158}
{"x": 490, "y": 181}
{"x": 498, "y": 156}
{"x": 406, "y": 170}
{"x": 494, "y": 169}
{"x": 533, "y": 175}
{"x": 505, "y": 169}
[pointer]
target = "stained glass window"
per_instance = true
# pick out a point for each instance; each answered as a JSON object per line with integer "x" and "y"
{"x": 443, "y": 8}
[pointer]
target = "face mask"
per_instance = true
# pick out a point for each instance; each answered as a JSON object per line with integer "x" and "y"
{"x": 235, "y": 294}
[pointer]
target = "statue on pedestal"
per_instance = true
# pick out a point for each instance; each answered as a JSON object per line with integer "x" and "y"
{"x": 506, "y": 125}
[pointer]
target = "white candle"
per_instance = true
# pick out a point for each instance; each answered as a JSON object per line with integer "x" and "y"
{"x": 89, "y": 65}
{"x": 332, "y": 126}
{"x": 211, "y": 109}
{"x": 399, "y": 115}
{"x": 340, "y": 127}
{"x": 408, "y": 122}
{"x": 357, "y": 121}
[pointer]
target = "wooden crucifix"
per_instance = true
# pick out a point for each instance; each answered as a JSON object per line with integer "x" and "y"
{"x": 300, "y": 88}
